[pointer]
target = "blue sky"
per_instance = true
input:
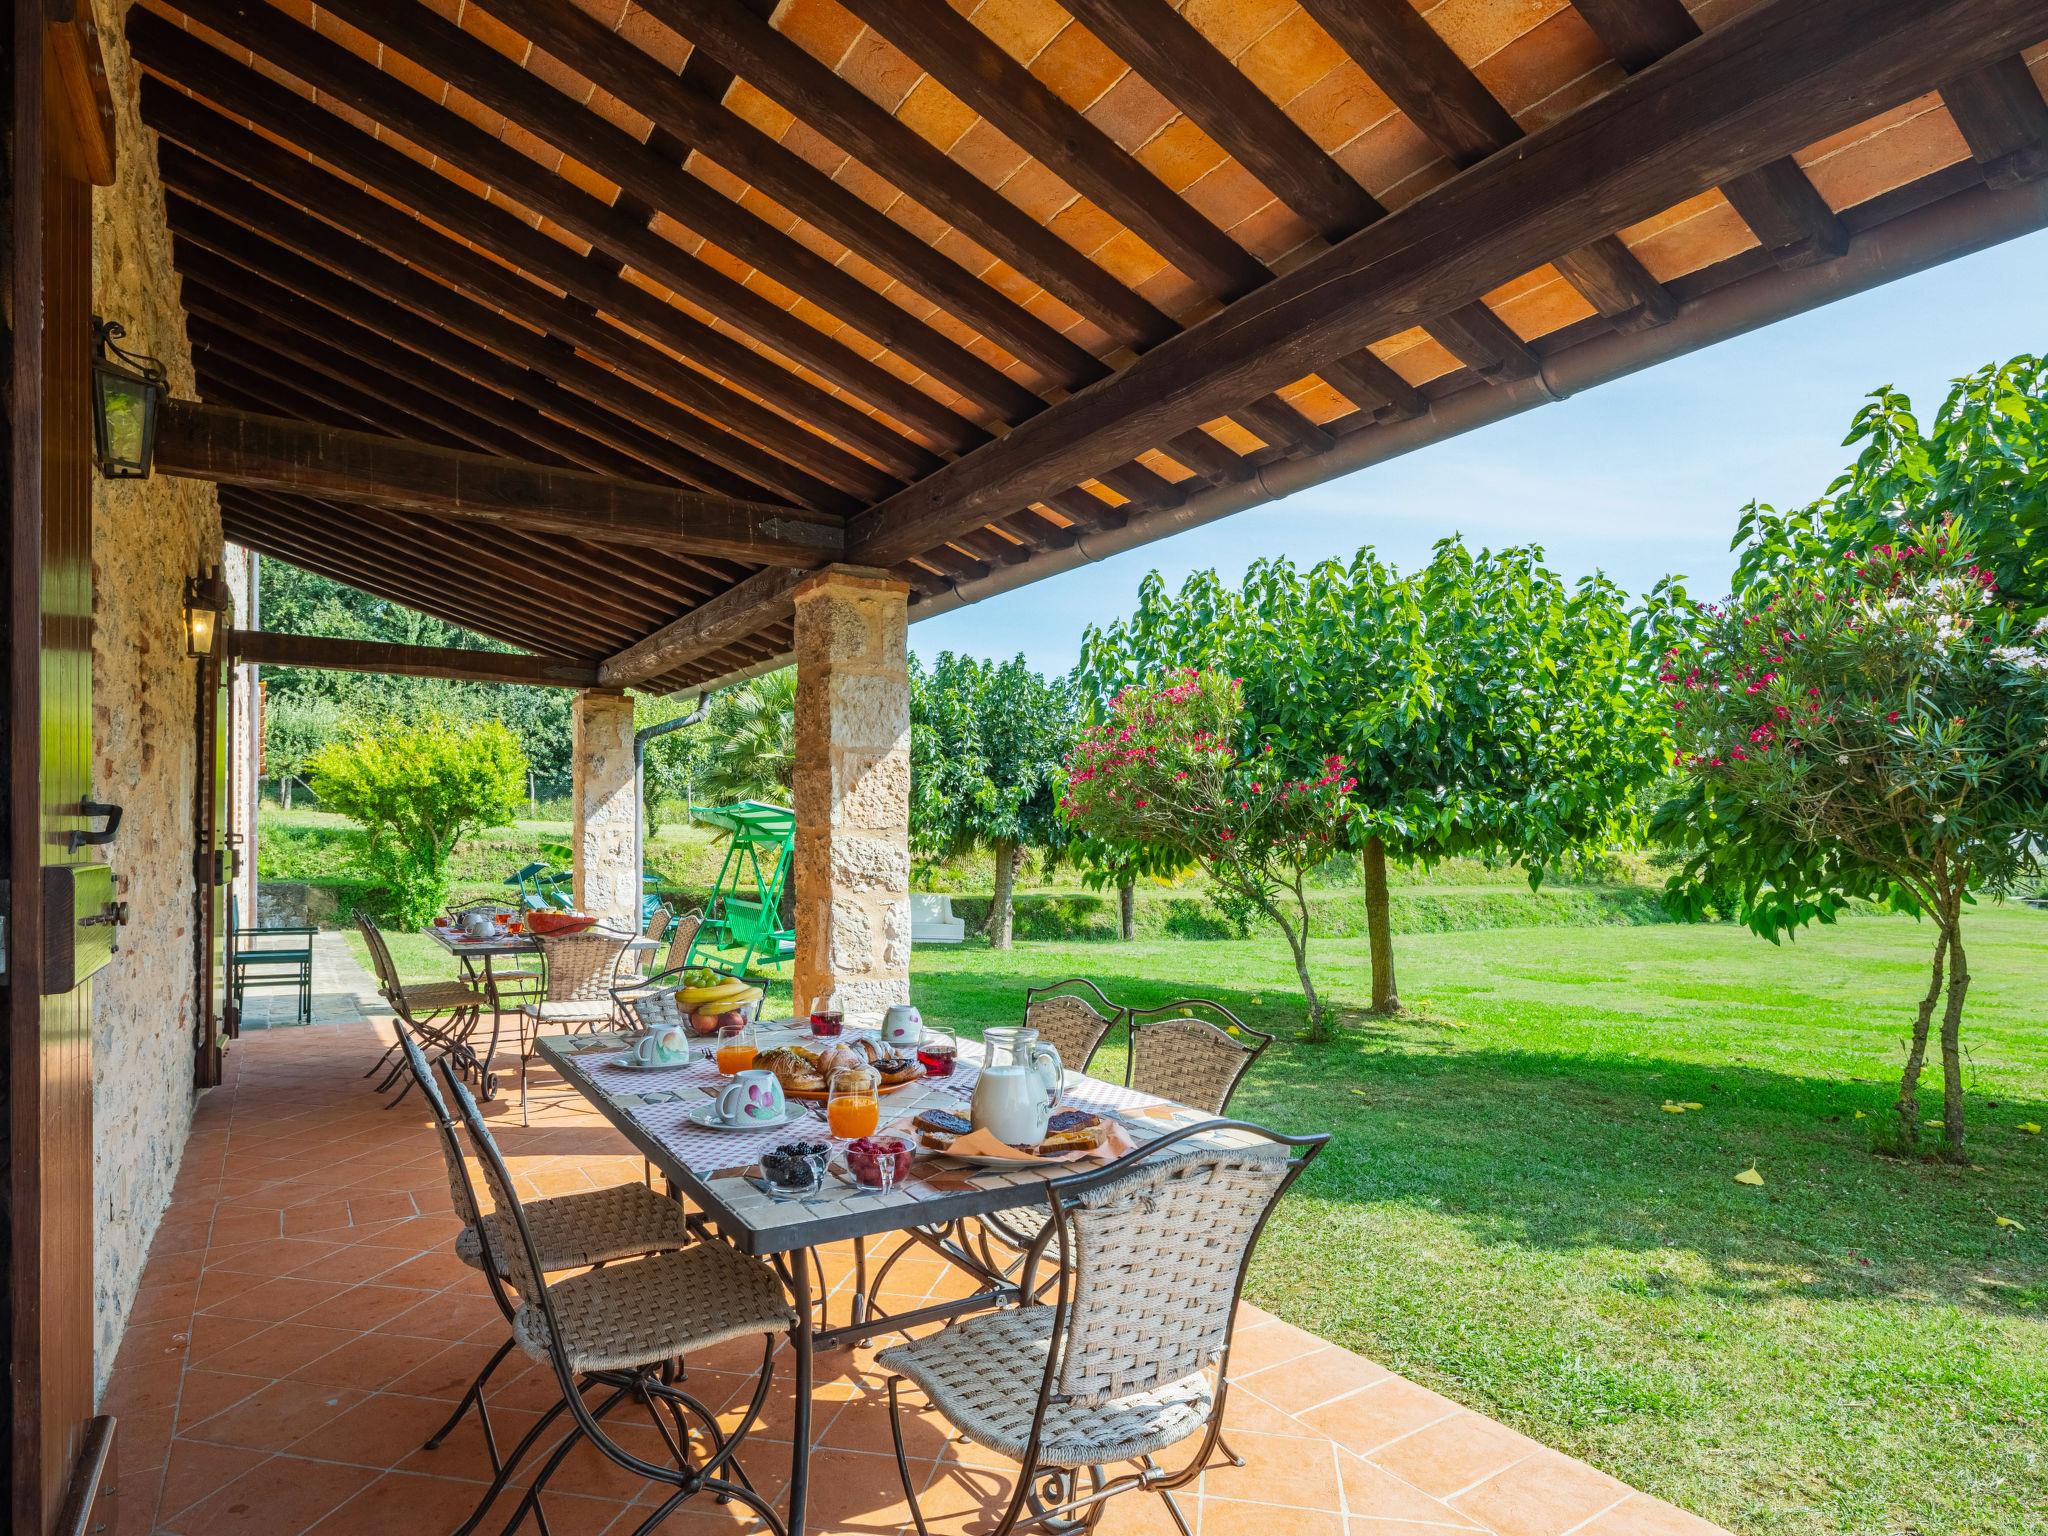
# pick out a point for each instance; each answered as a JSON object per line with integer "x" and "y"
{"x": 1641, "y": 478}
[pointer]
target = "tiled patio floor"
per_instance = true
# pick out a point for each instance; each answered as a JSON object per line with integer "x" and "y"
{"x": 303, "y": 1327}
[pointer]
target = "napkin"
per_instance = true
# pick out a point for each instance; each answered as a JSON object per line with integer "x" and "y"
{"x": 984, "y": 1144}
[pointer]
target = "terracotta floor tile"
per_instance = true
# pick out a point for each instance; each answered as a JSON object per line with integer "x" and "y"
{"x": 1367, "y": 1420}
{"x": 274, "y": 1300}
{"x": 463, "y": 1455}
{"x": 1226, "y": 1517}
{"x": 444, "y": 1371}
{"x": 283, "y": 1496}
{"x": 320, "y": 1216}
{"x": 196, "y": 1469}
{"x": 1296, "y": 1471}
{"x": 403, "y": 1502}
{"x": 210, "y": 1333}
{"x": 1254, "y": 1349}
{"x": 1641, "y": 1515}
{"x": 1545, "y": 1495}
{"x": 453, "y": 1314}
{"x": 1453, "y": 1454}
{"x": 273, "y": 1418}
{"x": 366, "y": 1361}
{"x": 856, "y": 1495}
{"x": 1373, "y": 1493}
{"x": 282, "y": 1347}
{"x": 351, "y": 1264}
{"x": 381, "y": 1430}
{"x": 365, "y": 1307}
{"x": 205, "y": 1393}
{"x": 1312, "y": 1379}
{"x": 266, "y": 1259}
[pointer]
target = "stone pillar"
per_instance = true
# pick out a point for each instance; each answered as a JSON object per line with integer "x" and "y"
{"x": 607, "y": 884}
{"x": 852, "y": 790}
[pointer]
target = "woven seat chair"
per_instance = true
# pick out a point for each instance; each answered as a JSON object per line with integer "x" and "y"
{"x": 444, "y": 1014}
{"x": 1192, "y": 1051}
{"x": 681, "y": 937}
{"x": 580, "y": 969}
{"x": 1132, "y": 1357}
{"x": 1067, "y": 1016}
{"x": 590, "y": 1227}
{"x": 623, "y": 1328}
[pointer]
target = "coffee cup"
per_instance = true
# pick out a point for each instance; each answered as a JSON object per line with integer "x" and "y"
{"x": 902, "y": 1027}
{"x": 753, "y": 1097}
{"x": 661, "y": 1048}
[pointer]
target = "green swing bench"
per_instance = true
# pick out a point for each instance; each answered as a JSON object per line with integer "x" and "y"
{"x": 745, "y": 909}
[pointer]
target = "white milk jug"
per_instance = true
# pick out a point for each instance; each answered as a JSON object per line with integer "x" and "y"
{"x": 1018, "y": 1086}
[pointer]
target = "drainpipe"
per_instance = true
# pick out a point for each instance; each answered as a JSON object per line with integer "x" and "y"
{"x": 1954, "y": 226}
{"x": 641, "y": 737}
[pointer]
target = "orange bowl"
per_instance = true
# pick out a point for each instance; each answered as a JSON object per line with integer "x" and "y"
{"x": 554, "y": 925}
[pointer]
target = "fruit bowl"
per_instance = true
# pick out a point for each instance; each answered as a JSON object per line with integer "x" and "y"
{"x": 555, "y": 925}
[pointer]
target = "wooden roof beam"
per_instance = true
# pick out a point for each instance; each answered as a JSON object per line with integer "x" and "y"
{"x": 176, "y": 54}
{"x": 1775, "y": 199}
{"x": 730, "y": 617}
{"x": 1408, "y": 59}
{"x": 749, "y": 47}
{"x": 275, "y": 453}
{"x": 2003, "y": 119}
{"x": 393, "y": 660}
{"x": 1784, "y": 72}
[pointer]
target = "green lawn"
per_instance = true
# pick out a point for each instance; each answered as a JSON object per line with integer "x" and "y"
{"x": 1507, "y": 1214}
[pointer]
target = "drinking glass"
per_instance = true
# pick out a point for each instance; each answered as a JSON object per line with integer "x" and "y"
{"x": 937, "y": 1051}
{"x": 828, "y": 1017}
{"x": 736, "y": 1047}
{"x": 853, "y": 1105}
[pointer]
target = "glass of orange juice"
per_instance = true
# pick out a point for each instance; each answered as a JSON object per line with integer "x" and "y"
{"x": 736, "y": 1048}
{"x": 853, "y": 1105}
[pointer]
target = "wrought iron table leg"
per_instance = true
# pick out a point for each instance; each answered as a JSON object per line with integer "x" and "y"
{"x": 800, "y": 1433}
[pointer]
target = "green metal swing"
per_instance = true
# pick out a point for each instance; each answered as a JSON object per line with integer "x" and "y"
{"x": 745, "y": 910}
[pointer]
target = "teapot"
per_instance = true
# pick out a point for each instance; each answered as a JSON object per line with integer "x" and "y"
{"x": 1019, "y": 1084}
{"x": 479, "y": 924}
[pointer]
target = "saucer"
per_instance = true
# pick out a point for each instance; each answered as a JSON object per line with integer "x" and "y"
{"x": 705, "y": 1117}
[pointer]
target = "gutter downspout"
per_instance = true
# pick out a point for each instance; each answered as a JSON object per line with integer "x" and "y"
{"x": 1954, "y": 226}
{"x": 641, "y": 737}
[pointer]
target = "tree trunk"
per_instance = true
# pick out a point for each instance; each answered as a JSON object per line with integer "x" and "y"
{"x": 1127, "y": 911}
{"x": 1952, "y": 1039}
{"x": 284, "y": 789}
{"x": 998, "y": 926}
{"x": 1386, "y": 998}
{"x": 1916, "y": 1054}
{"x": 1318, "y": 1029}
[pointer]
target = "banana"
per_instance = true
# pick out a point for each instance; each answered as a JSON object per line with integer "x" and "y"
{"x": 723, "y": 992}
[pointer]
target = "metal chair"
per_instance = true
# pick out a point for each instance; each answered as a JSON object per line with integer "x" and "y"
{"x": 623, "y": 1328}
{"x": 1066, "y": 1016}
{"x": 260, "y": 967}
{"x": 682, "y": 935}
{"x": 581, "y": 968}
{"x": 1132, "y": 1358}
{"x": 444, "y": 1014}
{"x": 571, "y": 1232}
{"x": 1177, "y": 1053}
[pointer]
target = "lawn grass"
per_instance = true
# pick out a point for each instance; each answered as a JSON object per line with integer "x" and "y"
{"x": 1507, "y": 1214}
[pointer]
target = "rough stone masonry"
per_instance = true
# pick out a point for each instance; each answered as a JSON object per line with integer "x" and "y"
{"x": 852, "y": 790}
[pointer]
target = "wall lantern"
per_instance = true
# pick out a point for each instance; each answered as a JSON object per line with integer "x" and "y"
{"x": 208, "y": 607}
{"x": 127, "y": 388}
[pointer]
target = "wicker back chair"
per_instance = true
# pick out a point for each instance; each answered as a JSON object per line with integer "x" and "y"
{"x": 1075, "y": 1016}
{"x": 622, "y": 1327}
{"x": 444, "y": 1014}
{"x": 681, "y": 938}
{"x": 581, "y": 967}
{"x": 1132, "y": 1357}
{"x": 1194, "y": 1052}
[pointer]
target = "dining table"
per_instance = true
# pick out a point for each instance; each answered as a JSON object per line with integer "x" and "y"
{"x": 942, "y": 1206}
{"x": 478, "y": 955}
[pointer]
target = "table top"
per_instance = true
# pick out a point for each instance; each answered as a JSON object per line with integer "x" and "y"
{"x": 519, "y": 943}
{"x": 649, "y": 1106}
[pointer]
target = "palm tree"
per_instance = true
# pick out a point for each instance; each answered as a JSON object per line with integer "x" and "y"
{"x": 751, "y": 737}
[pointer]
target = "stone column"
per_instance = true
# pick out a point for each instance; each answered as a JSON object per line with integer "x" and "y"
{"x": 852, "y": 790}
{"x": 607, "y": 884}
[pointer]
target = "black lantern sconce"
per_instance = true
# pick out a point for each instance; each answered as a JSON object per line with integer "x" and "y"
{"x": 127, "y": 389}
{"x": 209, "y": 605}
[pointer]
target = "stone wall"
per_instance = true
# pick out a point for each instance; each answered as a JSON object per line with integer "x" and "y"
{"x": 606, "y": 802}
{"x": 148, "y": 537}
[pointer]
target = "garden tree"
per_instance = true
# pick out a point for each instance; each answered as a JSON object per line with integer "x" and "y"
{"x": 295, "y": 726}
{"x": 1871, "y": 727}
{"x": 1486, "y": 706}
{"x": 746, "y": 747}
{"x": 987, "y": 744}
{"x": 673, "y": 761}
{"x": 298, "y": 602}
{"x": 1182, "y": 768}
{"x": 417, "y": 788}
{"x": 1982, "y": 466}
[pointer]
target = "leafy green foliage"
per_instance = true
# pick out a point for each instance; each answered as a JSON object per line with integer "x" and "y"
{"x": 1485, "y": 705}
{"x": 745, "y": 749}
{"x": 1177, "y": 768}
{"x": 987, "y": 744}
{"x": 1873, "y": 726}
{"x": 417, "y": 789}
